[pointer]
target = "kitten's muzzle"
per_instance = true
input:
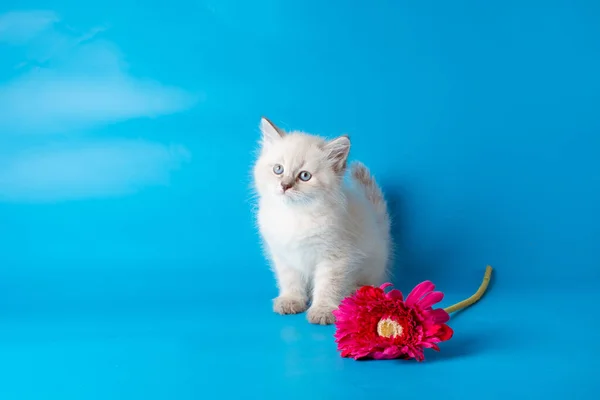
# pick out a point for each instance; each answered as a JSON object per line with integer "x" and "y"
{"x": 285, "y": 186}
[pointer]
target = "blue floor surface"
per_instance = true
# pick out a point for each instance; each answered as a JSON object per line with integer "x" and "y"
{"x": 170, "y": 342}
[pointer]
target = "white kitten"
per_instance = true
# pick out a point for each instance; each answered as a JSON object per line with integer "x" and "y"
{"x": 323, "y": 237}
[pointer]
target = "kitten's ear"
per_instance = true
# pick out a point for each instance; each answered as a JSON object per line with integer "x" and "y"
{"x": 270, "y": 132}
{"x": 337, "y": 152}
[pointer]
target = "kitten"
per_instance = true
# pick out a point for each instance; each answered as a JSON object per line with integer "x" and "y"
{"x": 324, "y": 238}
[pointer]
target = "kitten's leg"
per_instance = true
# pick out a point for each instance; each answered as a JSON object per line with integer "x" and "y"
{"x": 331, "y": 284}
{"x": 293, "y": 297}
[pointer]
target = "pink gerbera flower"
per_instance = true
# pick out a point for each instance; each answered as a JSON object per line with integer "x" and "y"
{"x": 374, "y": 324}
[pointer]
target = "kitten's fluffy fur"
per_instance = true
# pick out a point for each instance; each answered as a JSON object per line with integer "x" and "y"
{"x": 325, "y": 238}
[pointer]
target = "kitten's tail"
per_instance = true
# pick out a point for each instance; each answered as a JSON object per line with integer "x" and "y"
{"x": 363, "y": 177}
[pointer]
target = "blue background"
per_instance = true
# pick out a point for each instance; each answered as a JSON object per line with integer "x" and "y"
{"x": 480, "y": 120}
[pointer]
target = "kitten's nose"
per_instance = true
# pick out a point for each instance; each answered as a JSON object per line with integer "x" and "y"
{"x": 285, "y": 186}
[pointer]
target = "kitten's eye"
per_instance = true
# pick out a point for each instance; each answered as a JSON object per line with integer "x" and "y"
{"x": 278, "y": 169}
{"x": 305, "y": 176}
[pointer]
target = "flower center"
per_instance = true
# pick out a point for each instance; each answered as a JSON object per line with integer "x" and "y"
{"x": 388, "y": 328}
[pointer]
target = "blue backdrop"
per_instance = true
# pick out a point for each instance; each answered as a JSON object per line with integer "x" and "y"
{"x": 130, "y": 267}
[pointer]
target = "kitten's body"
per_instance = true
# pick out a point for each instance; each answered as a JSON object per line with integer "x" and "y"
{"x": 325, "y": 238}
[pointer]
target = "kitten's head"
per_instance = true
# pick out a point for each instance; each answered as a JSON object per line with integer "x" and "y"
{"x": 298, "y": 167}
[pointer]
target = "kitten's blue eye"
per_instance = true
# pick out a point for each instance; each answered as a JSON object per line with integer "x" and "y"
{"x": 278, "y": 169}
{"x": 305, "y": 176}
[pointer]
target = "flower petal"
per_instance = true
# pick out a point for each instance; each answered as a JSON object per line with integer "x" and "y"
{"x": 445, "y": 333}
{"x": 430, "y": 299}
{"x": 395, "y": 295}
{"x": 419, "y": 291}
{"x": 360, "y": 355}
{"x": 438, "y": 316}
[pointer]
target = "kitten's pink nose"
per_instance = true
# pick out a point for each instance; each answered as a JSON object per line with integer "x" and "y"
{"x": 285, "y": 186}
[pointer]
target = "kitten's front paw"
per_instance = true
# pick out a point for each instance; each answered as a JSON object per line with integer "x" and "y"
{"x": 321, "y": 315}
{"x": 289, "y": 305}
